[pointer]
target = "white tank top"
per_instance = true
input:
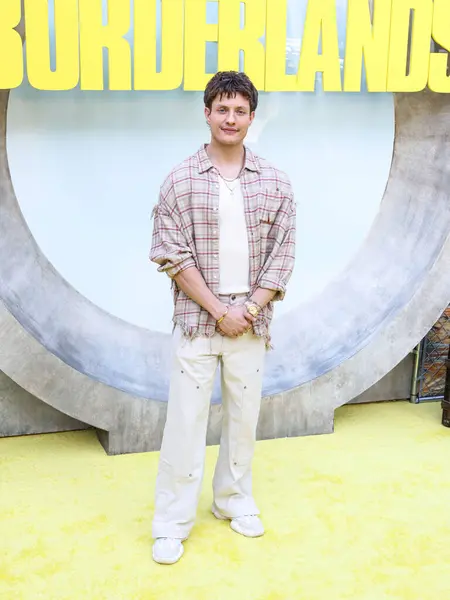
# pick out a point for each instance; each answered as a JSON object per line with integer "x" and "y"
{"x": 233, "y": 245}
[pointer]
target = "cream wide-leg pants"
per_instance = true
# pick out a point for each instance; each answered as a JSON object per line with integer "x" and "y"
{"x": 182, "y": 456}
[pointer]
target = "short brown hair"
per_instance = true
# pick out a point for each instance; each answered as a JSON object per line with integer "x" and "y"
{"x": 230, "y": 83}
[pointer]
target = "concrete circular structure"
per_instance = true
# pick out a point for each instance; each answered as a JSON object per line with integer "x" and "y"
{"x": 106, "y": 372}
{"x": 112, "y": 375}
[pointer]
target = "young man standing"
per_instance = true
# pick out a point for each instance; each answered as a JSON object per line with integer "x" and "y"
{"x": 224, "y": 232}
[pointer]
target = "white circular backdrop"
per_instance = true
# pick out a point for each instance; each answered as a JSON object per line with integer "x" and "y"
{"x": 87, "y": 166}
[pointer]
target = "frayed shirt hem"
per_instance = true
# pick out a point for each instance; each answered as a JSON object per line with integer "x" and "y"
{"x": 191, "y": 332}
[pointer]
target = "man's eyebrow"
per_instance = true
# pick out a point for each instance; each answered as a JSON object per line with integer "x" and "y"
{"x": 225, "y": 106}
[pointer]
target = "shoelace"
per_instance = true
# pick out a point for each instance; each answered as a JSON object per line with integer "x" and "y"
{"x": 247, "y": 518}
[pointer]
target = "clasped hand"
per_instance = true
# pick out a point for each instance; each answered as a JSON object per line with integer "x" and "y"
{"x": 237, "y": 321}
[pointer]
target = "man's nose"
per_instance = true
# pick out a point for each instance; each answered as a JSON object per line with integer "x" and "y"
{"x": 231, "y": 118}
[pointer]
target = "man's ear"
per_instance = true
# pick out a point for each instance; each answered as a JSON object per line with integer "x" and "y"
{"x": 207, "y": 113}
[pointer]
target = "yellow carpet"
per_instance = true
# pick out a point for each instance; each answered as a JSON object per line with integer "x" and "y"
{"x": 362, "y": 514}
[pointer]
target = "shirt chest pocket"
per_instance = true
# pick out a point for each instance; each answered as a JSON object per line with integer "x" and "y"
{"x": 269, "y": 205}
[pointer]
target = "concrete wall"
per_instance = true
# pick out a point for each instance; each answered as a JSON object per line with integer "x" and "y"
{"x": 396, "y": 385}
{"x": 22, "y": 414}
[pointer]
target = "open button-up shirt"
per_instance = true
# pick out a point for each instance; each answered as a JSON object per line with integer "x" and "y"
{"x": 186, "y": 234}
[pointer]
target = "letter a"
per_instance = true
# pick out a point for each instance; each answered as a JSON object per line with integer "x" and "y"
{"x": 320, "y": 18}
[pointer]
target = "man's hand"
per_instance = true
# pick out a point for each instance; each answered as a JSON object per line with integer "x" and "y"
{"x": 236, "y": 322}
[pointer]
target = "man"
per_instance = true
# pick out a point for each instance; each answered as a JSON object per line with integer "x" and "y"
{"x": 224, "y": 232}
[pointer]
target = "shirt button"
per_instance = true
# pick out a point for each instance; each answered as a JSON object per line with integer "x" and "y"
{"x": 215, "y": 231}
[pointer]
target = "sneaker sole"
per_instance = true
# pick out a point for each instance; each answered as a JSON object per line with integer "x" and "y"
{"x": 235, "y": 527}
{"x": 168, "y": 561}
{"x": 218, "y": 515}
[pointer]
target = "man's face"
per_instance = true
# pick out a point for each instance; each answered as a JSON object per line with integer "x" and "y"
{"x": 229, "y": 119}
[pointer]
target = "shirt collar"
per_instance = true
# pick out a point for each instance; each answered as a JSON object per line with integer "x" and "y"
{"x": 204, "y": 162}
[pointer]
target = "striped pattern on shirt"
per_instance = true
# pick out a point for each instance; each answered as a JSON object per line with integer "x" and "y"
{"x": 186, "y": 234}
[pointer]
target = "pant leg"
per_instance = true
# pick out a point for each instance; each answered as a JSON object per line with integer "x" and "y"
{"x": 181, "y": 461}
{"x": 242, "y": 369}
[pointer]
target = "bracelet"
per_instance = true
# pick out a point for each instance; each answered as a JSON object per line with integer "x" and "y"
{"x": 223, "y": 316}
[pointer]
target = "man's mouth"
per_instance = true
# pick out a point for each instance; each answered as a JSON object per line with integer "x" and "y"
{"x": 228, "y": 130}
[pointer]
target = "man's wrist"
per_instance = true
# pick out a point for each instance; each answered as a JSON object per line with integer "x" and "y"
{"x": 262, "y": 297}
{"x": 252, "y": 301}
{"x": 253, "y": 307}
{"x": 218, "y": 311}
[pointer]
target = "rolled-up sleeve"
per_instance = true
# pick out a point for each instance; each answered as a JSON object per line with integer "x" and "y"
{"x": 169, "y": 248}
{"x": 279, "y": 265}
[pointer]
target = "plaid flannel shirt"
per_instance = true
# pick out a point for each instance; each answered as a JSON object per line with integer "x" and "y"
{"x": 186, "y": 234}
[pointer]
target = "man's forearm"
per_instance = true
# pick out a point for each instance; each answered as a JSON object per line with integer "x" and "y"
{"x": 193, "y": 285}
{"x": 262, "y": 296}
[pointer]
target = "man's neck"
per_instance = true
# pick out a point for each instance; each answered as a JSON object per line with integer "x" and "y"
{"x": 229, "y": 160}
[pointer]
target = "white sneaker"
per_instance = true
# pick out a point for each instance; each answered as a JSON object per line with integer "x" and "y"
{"x": 249, "y": 525}
{"x": 167, "y": 551}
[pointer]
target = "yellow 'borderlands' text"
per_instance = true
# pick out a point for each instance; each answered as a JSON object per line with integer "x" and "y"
{"x": 380, "y": 42}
